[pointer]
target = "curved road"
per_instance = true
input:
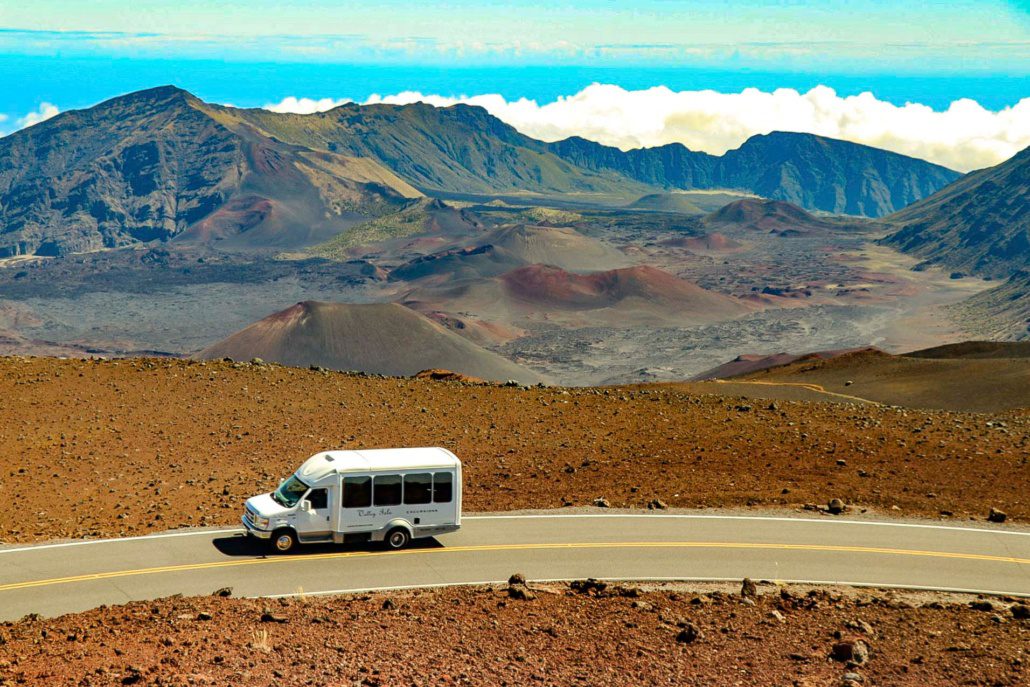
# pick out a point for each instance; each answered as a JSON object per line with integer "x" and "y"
{"x": 53, "y": 579}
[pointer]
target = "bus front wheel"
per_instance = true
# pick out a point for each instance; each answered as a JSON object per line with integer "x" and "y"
{"x": 283, "y": 541}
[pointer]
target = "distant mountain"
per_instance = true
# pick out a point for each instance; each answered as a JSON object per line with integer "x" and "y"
{"x": 668, "y": 166}
{"x": 459, "y": 149}
{"x": 161, "y": 165}
{"x": 979, "y": 224}
{"x": 812, "y": 171}
{"x": 382, "y": 338}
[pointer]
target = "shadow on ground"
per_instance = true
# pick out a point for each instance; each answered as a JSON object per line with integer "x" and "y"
{"x": 242, "y": 545}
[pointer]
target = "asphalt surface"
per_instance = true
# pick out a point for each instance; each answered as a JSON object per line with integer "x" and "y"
{"x": 54, "y": 579}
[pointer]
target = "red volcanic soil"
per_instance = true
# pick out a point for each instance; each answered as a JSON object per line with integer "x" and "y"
{"x": 608, "y": 636}
{"x": 556, "y": 288}
{"x": 751, "y": 362}
{"x": 235, "y": 217}
{"x": 132, "y": 446}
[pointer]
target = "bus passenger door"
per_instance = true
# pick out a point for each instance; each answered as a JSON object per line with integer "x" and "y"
{"x": 356, "y": 513}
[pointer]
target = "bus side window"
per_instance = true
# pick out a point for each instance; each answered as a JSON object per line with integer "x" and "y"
{"x": 387, "y": 490}
{"x": 418, "y": 488}
{"x": 357, "y": 492}
{"x": 443, "y": 489}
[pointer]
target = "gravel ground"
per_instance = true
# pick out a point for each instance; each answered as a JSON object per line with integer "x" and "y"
{"x": 549, "y": 635}
{"x": 103, "y": 448}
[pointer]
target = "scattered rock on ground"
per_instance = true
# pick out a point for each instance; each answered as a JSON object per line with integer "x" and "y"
{"x": 996, "y": 515}
{"x": 852, "y": 651}
{"x": 689, "y": 634}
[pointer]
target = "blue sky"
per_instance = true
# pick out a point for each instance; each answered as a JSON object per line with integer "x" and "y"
{"x": 74, "y": 53}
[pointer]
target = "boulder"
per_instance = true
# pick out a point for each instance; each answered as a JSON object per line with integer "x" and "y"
{"x": 689, "y": 634}
{"x": 589, "y": 586}
{"x": 520, "y": 593}
{"x": 748, "y": 589}
{"x": 835, "y": 507}
{"x": 268, "y": 617}
{"x": 996, "y": 515}
{"x": 852, "y": 651}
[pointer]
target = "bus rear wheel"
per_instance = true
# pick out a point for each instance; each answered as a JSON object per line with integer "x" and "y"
{"x": 283, "y": 541}
{"x": 397, "y": 538}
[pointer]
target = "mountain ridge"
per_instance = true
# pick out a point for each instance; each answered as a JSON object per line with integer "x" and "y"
{"x": 156, "y": 164}
{"x": 978, "y": 224}
{"x": 152, "y": 165}
{"x": 771, "y": 165}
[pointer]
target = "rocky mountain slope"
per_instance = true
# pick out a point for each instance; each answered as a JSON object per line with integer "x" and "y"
{"x": 382, "y": 338}
{"x": 162, "y": 165}
{"x": 979, "y": 224}
{"x": 460, "y": 149}
{"x": 812, "y": 171}
{"x": 1001, "y": 313}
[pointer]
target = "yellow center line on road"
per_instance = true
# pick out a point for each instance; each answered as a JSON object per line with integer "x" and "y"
{"x": 825, "y": 548}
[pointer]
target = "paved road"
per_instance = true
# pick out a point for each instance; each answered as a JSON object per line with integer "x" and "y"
{"x": 61, "y": 578}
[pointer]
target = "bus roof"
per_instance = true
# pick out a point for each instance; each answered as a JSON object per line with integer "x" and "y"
{"x": 322, "y": 464}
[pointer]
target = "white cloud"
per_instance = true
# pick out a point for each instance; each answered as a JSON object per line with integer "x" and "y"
{"x": 45, "y": 112}
{"x": 305, "y": 105}
{"x": 965, "y": 136}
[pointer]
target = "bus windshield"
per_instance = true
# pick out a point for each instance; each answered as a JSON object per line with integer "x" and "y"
{"x": 289, "y": 492}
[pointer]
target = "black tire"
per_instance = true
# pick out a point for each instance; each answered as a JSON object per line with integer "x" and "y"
{"x": 283, "y": 541}
{"x": 397, "y": 538}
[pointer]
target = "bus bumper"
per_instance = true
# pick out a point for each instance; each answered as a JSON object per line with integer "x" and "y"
{"x": 253, "y": 531}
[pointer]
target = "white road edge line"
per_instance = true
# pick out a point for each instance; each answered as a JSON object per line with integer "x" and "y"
{"x": 441, "y": 585}
{"x": 115, "y": 540}
{"x": 761, "y": 518}
{"x": 663, "y": 516}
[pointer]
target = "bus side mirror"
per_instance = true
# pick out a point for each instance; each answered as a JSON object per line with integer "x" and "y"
{"x": 305, "y": 506}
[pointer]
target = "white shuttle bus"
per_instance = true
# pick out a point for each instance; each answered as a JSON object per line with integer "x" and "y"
{"x": 388, "y": 495}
